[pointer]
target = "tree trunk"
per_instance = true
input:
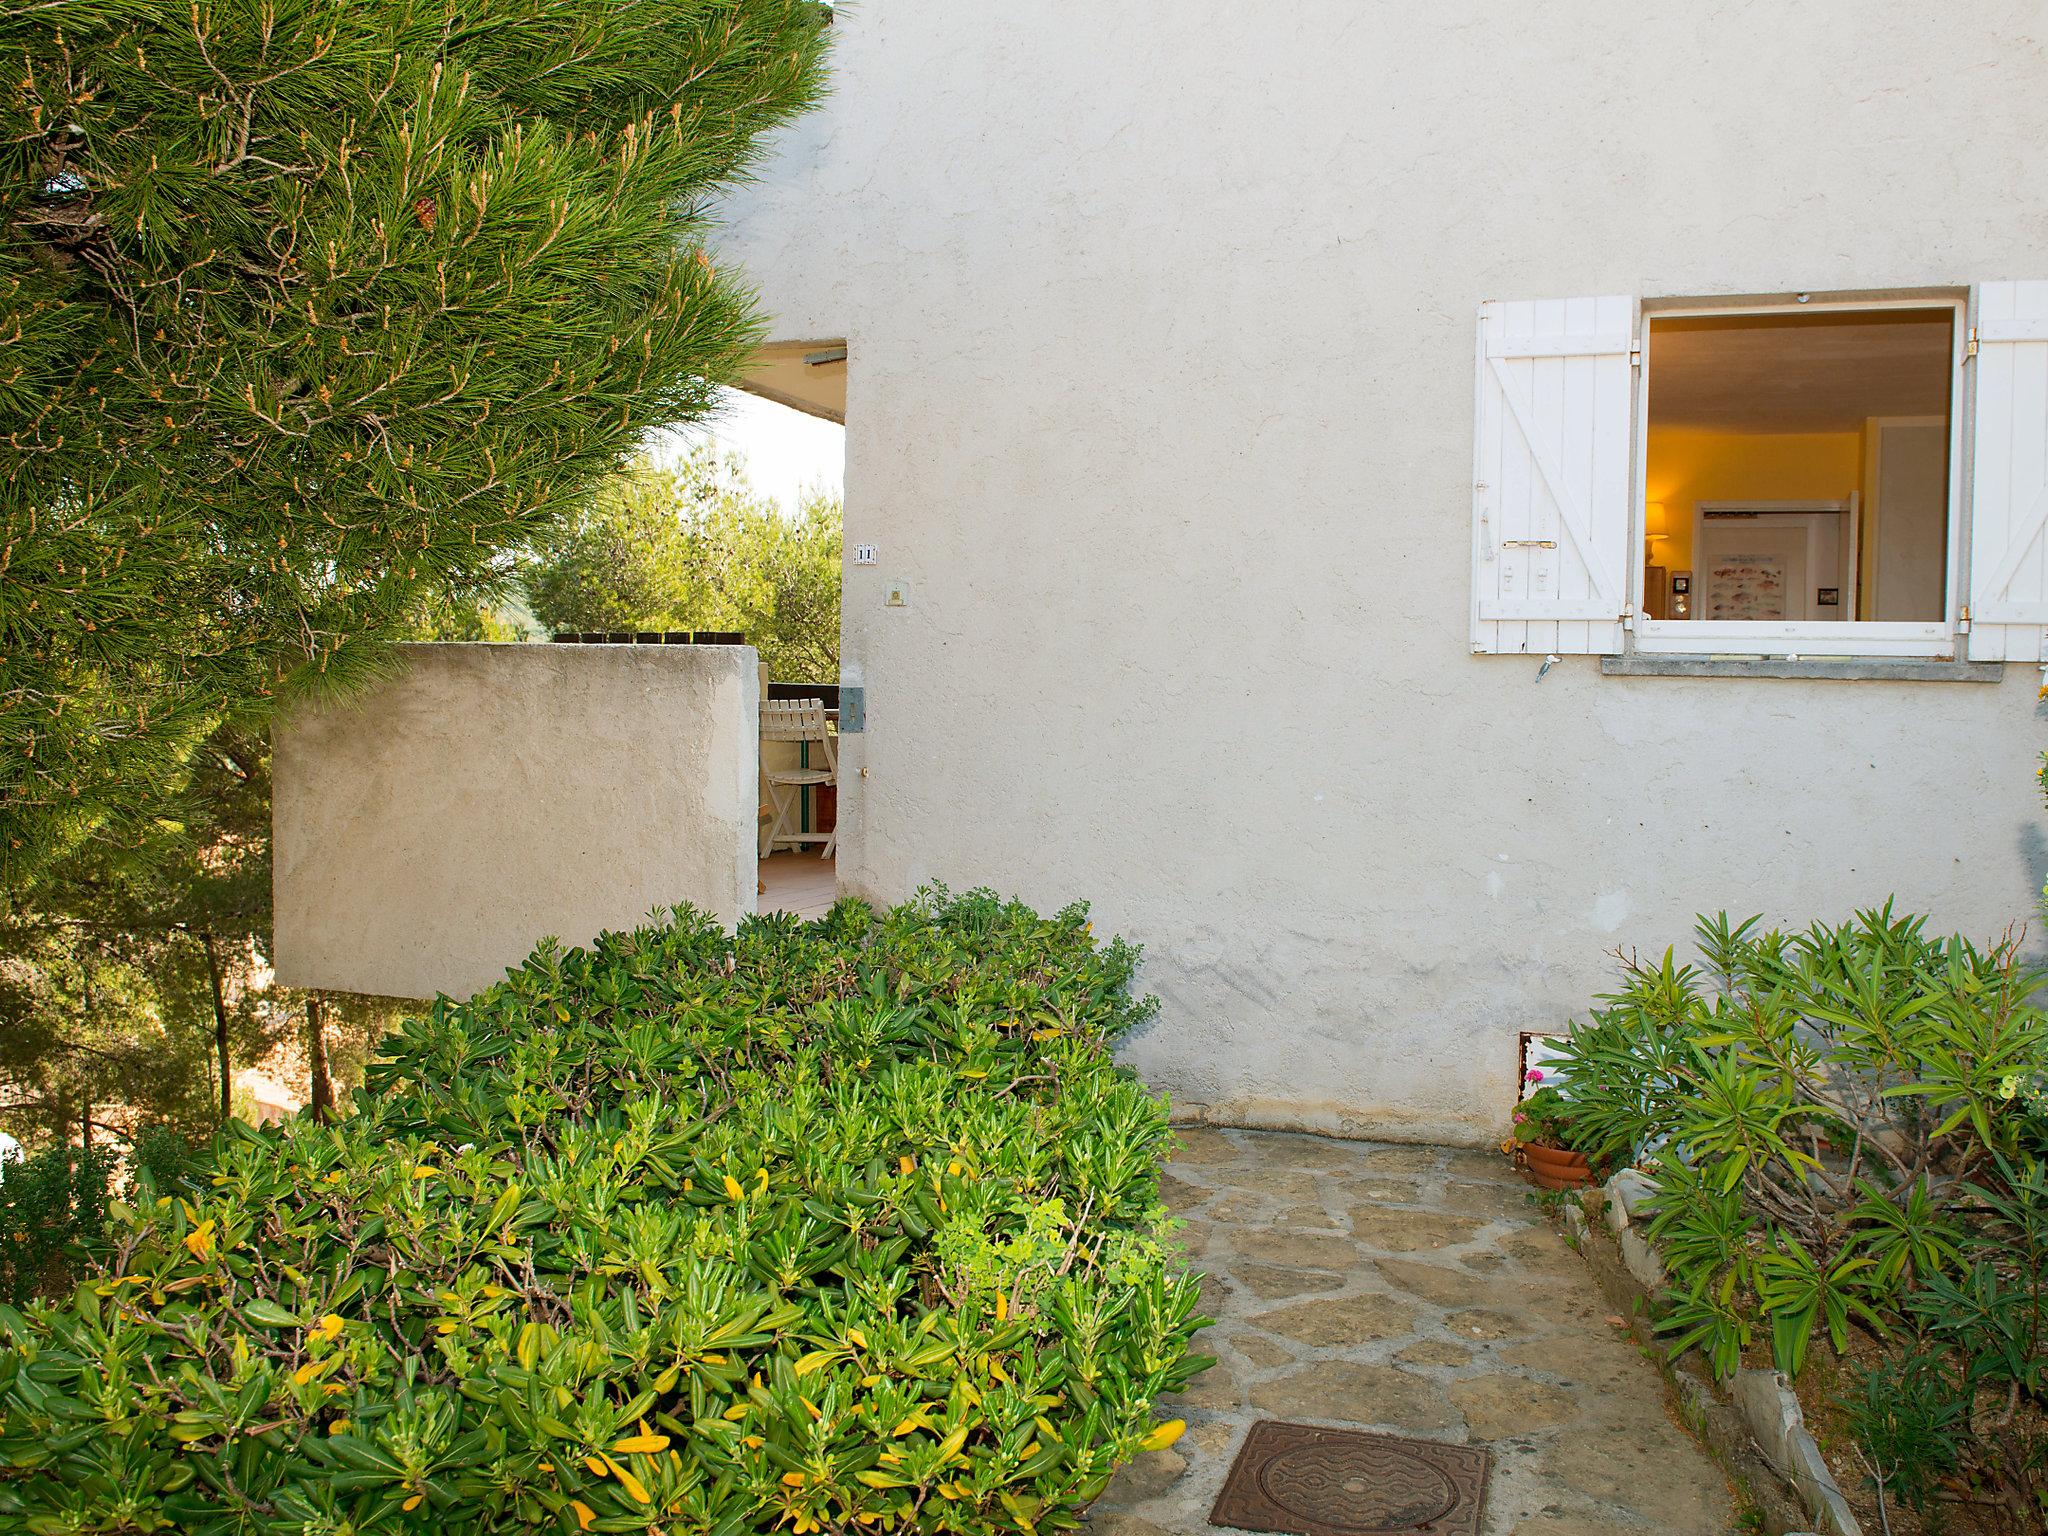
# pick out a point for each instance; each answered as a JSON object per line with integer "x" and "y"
{"x": 316, "y": 1058}
{"x": 220, "y": 1030}
{"x": 85, "y": 999}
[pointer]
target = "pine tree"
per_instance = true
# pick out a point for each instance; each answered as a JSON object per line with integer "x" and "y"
{"x": 313, "y": 309}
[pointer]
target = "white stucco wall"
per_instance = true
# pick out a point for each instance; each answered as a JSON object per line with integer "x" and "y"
{"x": 1161, "y": 401}
{"x": 427, "y": 835}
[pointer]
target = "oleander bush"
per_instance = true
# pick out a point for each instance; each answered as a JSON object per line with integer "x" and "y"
{"x": 1846, "y": 1128}
{"x": 840, "y": 1227}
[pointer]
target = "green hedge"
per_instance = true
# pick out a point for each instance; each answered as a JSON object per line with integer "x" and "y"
{"x": 849, "y": 1226}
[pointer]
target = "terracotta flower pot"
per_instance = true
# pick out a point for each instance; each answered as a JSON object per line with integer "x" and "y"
{"x": 1553, "y": 1167}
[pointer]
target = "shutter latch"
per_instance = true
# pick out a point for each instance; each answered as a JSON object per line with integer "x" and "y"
{"x": 1970, "y": 346}
{"x": 1528, "y": 543}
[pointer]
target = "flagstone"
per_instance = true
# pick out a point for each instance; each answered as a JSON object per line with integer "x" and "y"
{"x": 1338, "y": 1321}
{"x": 1438, "y": 1301}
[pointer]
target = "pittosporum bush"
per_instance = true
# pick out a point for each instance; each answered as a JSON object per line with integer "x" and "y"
{"x": 1844, "y": 1128}
{"x": 848, "y": 1226}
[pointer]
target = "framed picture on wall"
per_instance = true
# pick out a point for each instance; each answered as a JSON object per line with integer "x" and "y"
{"x": 1774, "y": 560}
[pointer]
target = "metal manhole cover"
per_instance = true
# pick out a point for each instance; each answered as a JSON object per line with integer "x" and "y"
{"x": 1340, "y": 1482}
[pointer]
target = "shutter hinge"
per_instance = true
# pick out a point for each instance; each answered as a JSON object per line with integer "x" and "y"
{"x": 1970, "y": 346}
{"x": 1963, "y": 625}
{"x": 1628, "y": 618}
{"x": 1635, "y": 354}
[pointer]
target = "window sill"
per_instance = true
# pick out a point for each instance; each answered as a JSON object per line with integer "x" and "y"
{"x": 1839, "y": 669}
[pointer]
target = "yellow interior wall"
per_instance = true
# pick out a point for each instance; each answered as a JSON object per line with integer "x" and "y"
{"x": 1692, "y": 464}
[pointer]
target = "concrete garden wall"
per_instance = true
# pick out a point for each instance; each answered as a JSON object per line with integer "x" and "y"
{"x": 1160, "y": 405}
{"x": 429, "y": 834}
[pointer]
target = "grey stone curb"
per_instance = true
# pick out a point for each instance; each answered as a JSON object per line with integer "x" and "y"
{"x": 1763, "y": 1399}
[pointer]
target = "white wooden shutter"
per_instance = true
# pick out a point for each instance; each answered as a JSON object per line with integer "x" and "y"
{"x": 1550, "y": 539}
{"x": 2009, "y": 475}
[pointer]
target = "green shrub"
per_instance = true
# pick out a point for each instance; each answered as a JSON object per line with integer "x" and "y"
{"x": 164, "y": 1155}
{"x": 51, "y": 1204}
{"x": 1845, "y": 1130}
{"x": 1816, "y": 1106}
{"x": 1910, "y": 1421}
{"x": 850, "y": 1226}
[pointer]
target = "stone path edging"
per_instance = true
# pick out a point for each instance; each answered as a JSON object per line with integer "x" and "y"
{"x": 1764, "y": 1400}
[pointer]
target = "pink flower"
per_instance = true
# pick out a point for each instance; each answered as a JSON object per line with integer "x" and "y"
{"x": 1533, "y": 1075}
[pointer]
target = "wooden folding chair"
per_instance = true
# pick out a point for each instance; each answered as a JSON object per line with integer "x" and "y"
{"x": 800, "y": 720}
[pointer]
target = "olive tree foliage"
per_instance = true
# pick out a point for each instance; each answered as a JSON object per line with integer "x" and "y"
{"x": 313, "y": 309}
{"x": 696, "y": 547}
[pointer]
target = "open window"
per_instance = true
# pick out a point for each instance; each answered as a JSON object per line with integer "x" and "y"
{"x": 1814, "y": 476}
{"x": 1799, "y": 484}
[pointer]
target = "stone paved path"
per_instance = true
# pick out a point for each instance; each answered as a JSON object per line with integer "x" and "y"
{"x": 1418, "y": 1291}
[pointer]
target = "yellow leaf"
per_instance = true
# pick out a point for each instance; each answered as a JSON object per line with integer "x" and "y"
{"x": 906, "y": 1164}
{"x": 635, "y": 1489}
{"x": 640, "y": 1445}
{"x": 330, "y": 1326}
{"x": 792, "y": 1479}
{"x": 733, "y": 1190}
{"x": 816, "y": 1360}
{"x": 950, "y": 1446}
{"x": 597, "y": 1468}
{"x": 584, "y": 1514}
{"x": 736, "y": 1412}
{"x": 1163, "y": 1435}
{"x": 338, "y": 1427}
{"x": 910, "y": 1425}
{"x": 857, "y": 1337}
{"x": 954, "y": 1167}
{"x": 976, "y": 1073}
{"x": 413, "y": 1502}
{"x": 1002, "y": 1306}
